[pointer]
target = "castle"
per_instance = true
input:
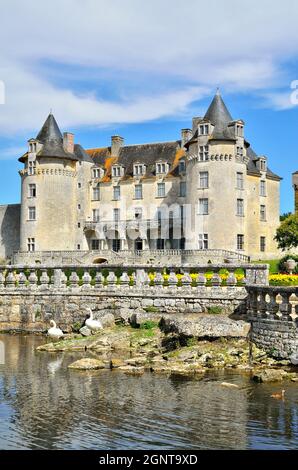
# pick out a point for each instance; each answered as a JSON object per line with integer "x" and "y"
{"x": 204, "y": 192}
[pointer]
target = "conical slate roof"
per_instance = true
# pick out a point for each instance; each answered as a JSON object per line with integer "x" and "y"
{"x": 218, "y": 113}
{"x": 49, "y": 131}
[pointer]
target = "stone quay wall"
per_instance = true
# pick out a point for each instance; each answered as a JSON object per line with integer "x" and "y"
{"x": 31, "y": 297}
{"x": 272, "y": 312}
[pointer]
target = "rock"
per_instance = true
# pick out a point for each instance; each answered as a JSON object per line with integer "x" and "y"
{"x": 107, "y": 320}
{"x": 198, "y": 326}
{"x": 137, "y": 318}
{"x": 115, "y": 363}
{"x": 205, "y": 358}
{"x": 85, "y": 331}
{"x": 87, "y": 364}
{"x": 136, "y": 361}
{"x": 130, "y": 370}
{"x": 187, "y": 355}
{"x": 269, "y": 375}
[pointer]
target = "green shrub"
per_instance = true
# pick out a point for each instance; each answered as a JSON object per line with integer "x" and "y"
{"x": 149, "y": 325}
{"x": 151, "y": 309}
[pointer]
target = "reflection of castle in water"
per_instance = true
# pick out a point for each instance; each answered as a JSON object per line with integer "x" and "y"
{"x": 57, "y": 408}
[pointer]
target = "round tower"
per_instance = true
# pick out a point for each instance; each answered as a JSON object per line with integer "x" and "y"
{"x": 216, "y": 175}
{"x": 48, "y": 198}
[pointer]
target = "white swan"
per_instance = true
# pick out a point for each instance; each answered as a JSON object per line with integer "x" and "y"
{"x": 54, "y": 332}
{"x": 93, "y": 325}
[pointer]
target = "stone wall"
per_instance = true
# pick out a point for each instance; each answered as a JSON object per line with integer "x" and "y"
{"x": 31, "y": 310}
{"x": 273, "y": 315}
{"x": 9, "y": 230}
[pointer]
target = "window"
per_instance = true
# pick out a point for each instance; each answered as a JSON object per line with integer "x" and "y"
{"x": 240, "y": 207}
{"x": 116, "y": 171}
{"x": 79, "y": 206}
{"x": 263, "y": 244}
{"x": 78, "y": 247}
{"x": 138, "y": 191}
{"x": 262, "y": 212}
{"x": 160, "y": 244}
{"x": 262, "y": 188}
{"x": 31, "y": 168}
{"x": 79, "y": 185}
{"x": 203, "y": 153}
{"x": 96, "y": 193}
{"x": 203, "y": 206}
{"x": 203, "y": 241}
{"x": 96, "y": 172}
{"x": 79, "y": 224}
{"x": 138, "y": 170}
{"x": 116, "y": 215}
{"x": 239, "y": 181}
{"x": 239, "y": 130}
{"x": 240, "y": 151}
{"x": 204, "y": 129}
{"x": 204, "y": 179}
{"x": 32, "y": 147}
{"x": 31, "y": 244}
{"x": 161, "y": 168}
{"x": 116, "y": 193}
{"x": 95, "y": 244}
{"x": 32, "y": 213}
{"x": 262, "y": 164}
{"x": 240, "y": 241}
{"x": 32, "y": 190}
{"x": 182, "y": 166}
{"x": 161, "y": 190}
{"x": 138, "y": 213}
{"x": 95, "y": 215}
{"x": 182, "y": 189}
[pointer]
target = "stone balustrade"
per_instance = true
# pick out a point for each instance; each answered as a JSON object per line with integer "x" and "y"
{"x": 115, "y": 277}
{"x": 273, "y": 313}
{"x": 275, "y": 303}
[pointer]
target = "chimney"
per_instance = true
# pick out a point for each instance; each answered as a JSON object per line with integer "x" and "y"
{"x": 195, "y": 122}
{"x": 116, "y": 144}
{"x": 68, "y": 142}
{"x": 186, "y": 135}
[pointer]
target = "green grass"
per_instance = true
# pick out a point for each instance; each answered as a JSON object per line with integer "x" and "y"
{"x": 273, "y": 263}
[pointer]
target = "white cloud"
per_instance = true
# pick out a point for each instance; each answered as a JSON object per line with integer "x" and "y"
{"x": 192, "y": 46}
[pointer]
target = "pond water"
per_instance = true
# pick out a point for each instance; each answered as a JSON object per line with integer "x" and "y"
{"x": 44, "y": 405}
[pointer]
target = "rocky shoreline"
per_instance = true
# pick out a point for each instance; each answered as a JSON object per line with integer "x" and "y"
{"x": 173, "y": 348}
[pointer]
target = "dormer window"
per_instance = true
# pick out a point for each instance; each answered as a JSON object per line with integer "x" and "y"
{"x": 117, "y": 171}
{"x": 161, "y": 168}
{"x": 97, "y": 172}
{"x": 263, "y": 164}
{"x": 139, "y": 169}
{"x": 239, "y": 130}
{"x": 182, "y": 166}
{"x": 32, "y": 147}
{"x": 203, "y": 129}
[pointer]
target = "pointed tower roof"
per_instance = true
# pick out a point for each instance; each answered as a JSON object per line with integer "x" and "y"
{"x": 49, "y": 131}
{"x": 217, "y": 112}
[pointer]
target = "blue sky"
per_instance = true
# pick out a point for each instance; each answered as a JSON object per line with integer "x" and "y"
{"x": 107, "y": 67}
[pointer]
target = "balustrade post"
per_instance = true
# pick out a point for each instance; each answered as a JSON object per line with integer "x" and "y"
{"x": 231, "y": 280}
{"x": 111, "y": 280}
{"x": 22, "y": 281}
{"x": 186, "y": 280}
{"x": 201, "y": 280}
{"x": 10, "y": 280}
{"x": 44, "y": 279}
{"x": 285, "y": 308}
{"x": 173, "y": 280}
{"x": 74, "y": 280}
{"x": 159, "y": 280}
{"x": 33, "y": 279}
{"x": 99, "y": 280}
{"x": 2, "y": 280}
{"x": 124, "y": 280}
{"x": 216, "y": 280}
{"x": 86, "y": 280}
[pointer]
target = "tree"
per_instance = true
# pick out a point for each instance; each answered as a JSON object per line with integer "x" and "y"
{"x": 284, "y": 216}
{"x": 287, "y": 233}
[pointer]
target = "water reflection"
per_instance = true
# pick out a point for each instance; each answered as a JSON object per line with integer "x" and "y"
{"x": 45, "y": 405}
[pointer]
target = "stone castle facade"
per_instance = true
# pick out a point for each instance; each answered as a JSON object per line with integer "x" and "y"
{"x": 206, "y": 191}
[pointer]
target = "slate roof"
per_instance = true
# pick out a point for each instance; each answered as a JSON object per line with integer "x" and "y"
{"x": 252, "y": 167}
{"x": 148, "y": 154}
{"x": 52, "y": 140}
